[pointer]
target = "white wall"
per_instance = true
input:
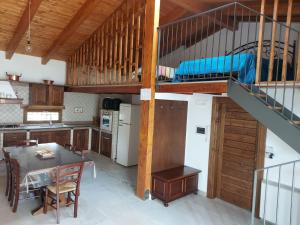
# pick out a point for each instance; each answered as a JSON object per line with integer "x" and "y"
{"x": 88, "y": 102}
{"x": 197, "y": 145}
{"x": 283, "y": 153}
{"x": 32, "y": 69}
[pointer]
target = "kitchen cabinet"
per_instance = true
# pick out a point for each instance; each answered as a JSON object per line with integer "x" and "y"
{"x": 106, "y": 144}
{"x": 56, "y": 95}
{"x": 12, "y": 139}
{"x": 61, "y": 137}
{"x": 41, "y": 94}
{"x": 38, "y": 94}
{"x": 171, "y": 184}
{"x": 81, "y": 139}
{"x": 95, "y": 141}
{"x": 41, "y": 136}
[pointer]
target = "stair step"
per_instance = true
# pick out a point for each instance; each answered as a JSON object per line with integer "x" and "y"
{"x": 275, "y": 107}
{"x": 261, "y": 95}
{"x": 297, "y": 122}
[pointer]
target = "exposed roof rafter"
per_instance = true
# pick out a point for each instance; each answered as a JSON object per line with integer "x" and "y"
{"x": 22, "y": 27}
{"x": 72, "y": 26}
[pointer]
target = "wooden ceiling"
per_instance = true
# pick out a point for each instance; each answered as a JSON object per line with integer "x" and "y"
{"x": 59, "y": 27}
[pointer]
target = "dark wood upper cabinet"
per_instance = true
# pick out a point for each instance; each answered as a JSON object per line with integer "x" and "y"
{"x": 81, "y": 139}
{"x": 56, "y": 95}
{"x": 41, "y": 94}
{"x": 38, "y": 94}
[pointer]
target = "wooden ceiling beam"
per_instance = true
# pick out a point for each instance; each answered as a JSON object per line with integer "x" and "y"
{"x": 196, "y": 7}
{"x": 176, "y": 14}
{"x": 217, "y": 87}
{"x": 192, "y": 6}
{"x": 22, "y": 28}
{"x": 106, "y": 89}
{"x": 72, "y": 26}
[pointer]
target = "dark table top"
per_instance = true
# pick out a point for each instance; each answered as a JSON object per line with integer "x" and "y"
{"x": 26, "y": 156}
{"x": 176, "y": 173}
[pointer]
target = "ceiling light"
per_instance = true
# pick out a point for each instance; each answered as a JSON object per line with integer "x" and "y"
{"x": 28, "y": 46}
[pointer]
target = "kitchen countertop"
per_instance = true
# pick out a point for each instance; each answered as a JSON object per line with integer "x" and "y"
{"x": 48, "y": 127}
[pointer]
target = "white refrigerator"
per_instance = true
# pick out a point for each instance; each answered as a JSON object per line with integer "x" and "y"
{"x": 128, "y": 135}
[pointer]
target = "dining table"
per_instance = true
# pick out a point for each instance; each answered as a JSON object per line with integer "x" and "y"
{"x": 37, "y": 172}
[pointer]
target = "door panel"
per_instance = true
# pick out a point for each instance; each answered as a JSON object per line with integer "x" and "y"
{"x": 125, "y": 114}
{"x": 237, "y": 155}
{"x": 106, "y": 144}
{"x": 123, "y": 144}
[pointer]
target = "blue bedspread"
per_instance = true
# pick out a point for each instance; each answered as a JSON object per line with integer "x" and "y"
{"x": 244, "y": 64}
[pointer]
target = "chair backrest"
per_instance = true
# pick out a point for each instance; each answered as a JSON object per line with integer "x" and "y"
{"x": 69, "y": 173}
{"x": 69, "y": 147}
{"x": 28, "y": 143}
{"x": 6, "y": 159}
{"x": 15, "y": 172}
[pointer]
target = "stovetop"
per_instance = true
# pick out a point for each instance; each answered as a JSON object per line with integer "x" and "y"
{"x": 5, "y": 126}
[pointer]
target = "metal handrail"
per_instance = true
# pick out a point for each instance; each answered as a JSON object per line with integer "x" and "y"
{"x": 223, "y": 7}
{"x": 254, "y": 194}
{"x": 282, "y": 164}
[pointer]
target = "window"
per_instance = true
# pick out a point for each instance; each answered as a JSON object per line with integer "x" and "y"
{"x": 38, "y": 116}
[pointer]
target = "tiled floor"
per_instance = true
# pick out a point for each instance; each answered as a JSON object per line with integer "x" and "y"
{"x": 109, "y": 200}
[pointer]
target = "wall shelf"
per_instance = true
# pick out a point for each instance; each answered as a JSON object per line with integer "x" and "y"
{"x": 11, "y": 101}
{"x": 43, "y": 107}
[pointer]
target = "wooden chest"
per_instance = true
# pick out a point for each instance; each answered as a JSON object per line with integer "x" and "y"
{"x": 171, "y": 184}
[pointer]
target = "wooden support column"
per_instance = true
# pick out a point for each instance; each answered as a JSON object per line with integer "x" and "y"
{"x": 286, "y": 39}
{"x": 274, "y": 30}
{"x": 260, "y": 41}
{"x": 152, "y": 9}
{"x": 298, "y": 64}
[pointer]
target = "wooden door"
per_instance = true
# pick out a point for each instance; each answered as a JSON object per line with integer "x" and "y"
{"x": 106, "y": 144}
{"x": 81, "y": 139}
{"x": 95, "y": 141}
{"x": 38, "y": 94}
{"x": 239, "y": 152}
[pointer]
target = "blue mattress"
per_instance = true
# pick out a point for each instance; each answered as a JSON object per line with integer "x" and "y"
{"x": 244, "y": 64}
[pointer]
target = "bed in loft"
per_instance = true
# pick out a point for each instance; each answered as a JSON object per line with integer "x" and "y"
{"x": 241, "y": 62}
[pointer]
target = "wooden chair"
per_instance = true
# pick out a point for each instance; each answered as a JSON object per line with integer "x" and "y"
{"x": 67, "y": 181}
{"x": 28, "y": 143}
{"x": 69, "y": 147}
{"x": 8, "y": 174}
{"x": 75, "y": 150}
{"x": 15, "y": 184}
{"x": 80, "y": 152}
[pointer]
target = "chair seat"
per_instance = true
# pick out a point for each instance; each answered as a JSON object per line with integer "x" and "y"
{"x": 64, "y": 188}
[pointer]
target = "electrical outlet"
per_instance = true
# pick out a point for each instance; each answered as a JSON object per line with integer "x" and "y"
{"x": 78, "y": 110}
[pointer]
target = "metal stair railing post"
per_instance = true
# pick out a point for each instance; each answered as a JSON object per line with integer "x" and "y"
{"x": 265, "y": 171}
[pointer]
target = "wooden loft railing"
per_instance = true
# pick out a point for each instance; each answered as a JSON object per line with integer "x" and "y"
{"x": 288, "y": 34}
{"x": 113, "y": 54}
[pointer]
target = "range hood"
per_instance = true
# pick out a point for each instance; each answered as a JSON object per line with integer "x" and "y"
{"x": 7, "y": 94}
